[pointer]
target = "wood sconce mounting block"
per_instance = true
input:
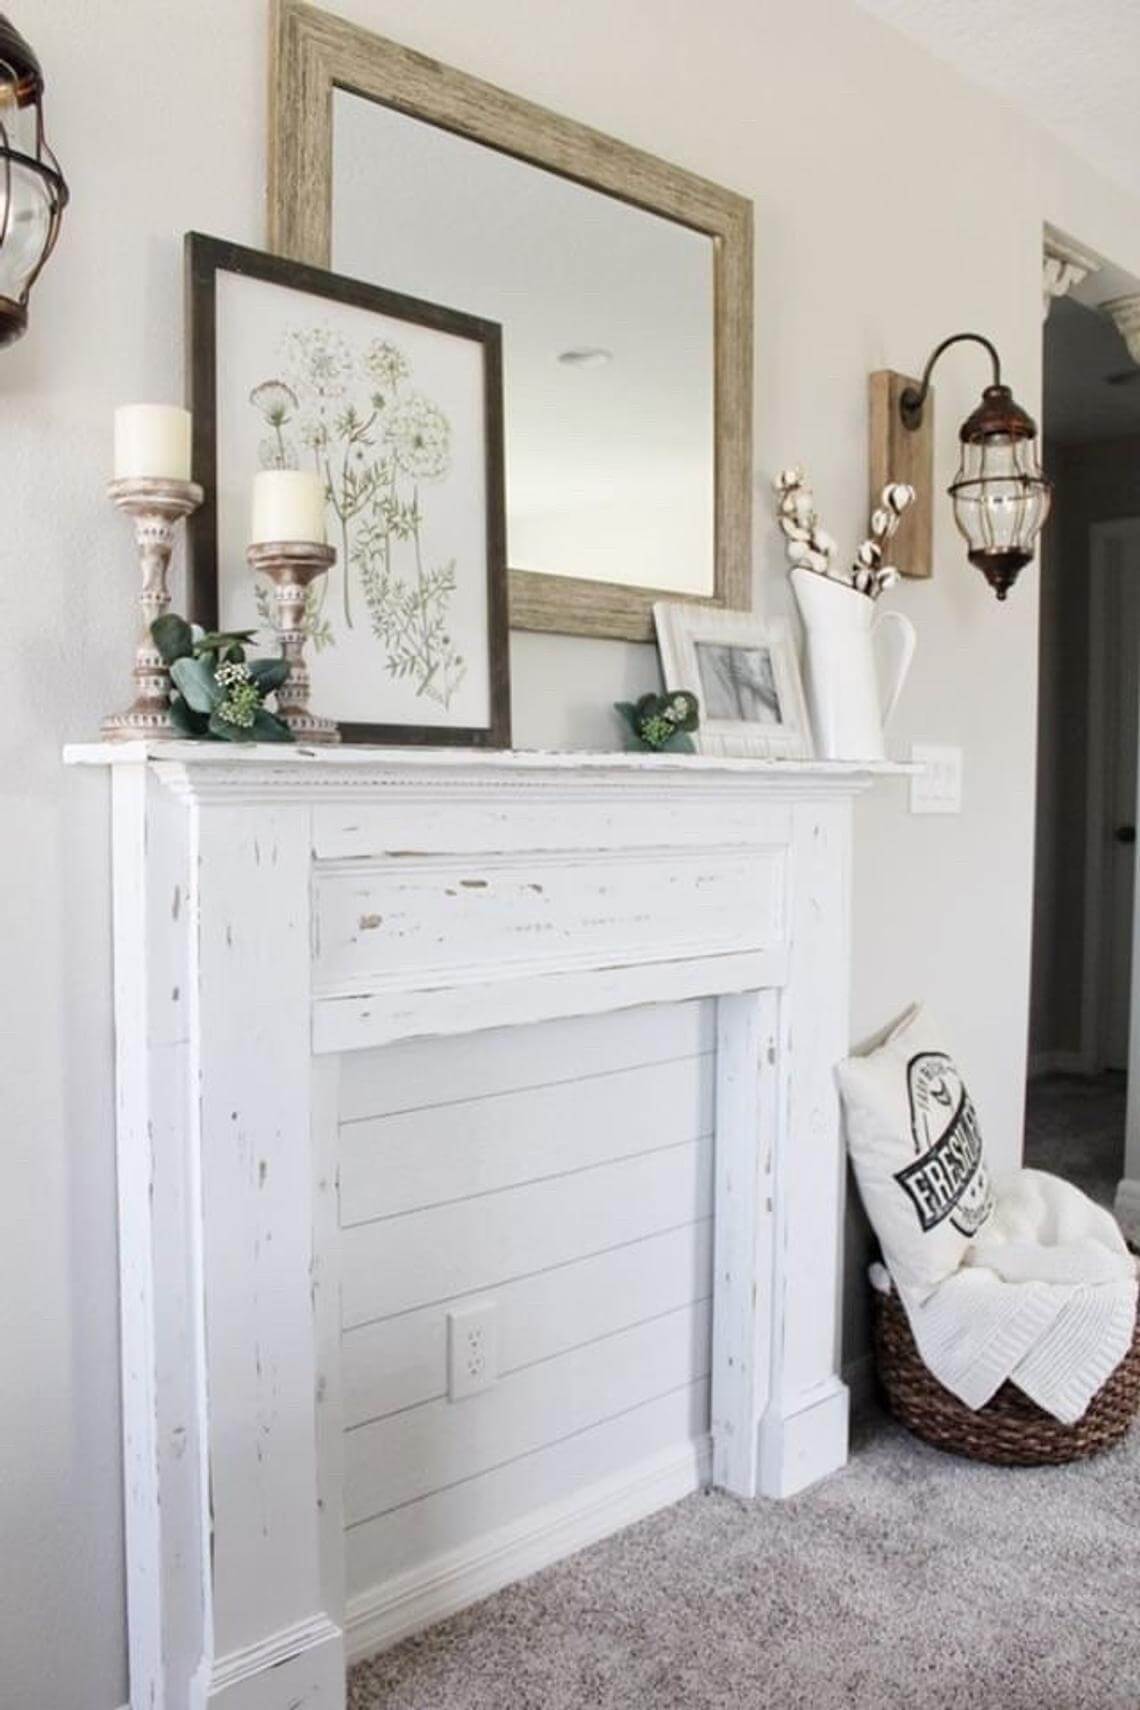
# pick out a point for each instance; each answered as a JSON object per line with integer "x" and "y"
{"x": 900, "y": 453}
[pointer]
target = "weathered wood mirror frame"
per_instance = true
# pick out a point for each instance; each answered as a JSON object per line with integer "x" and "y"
{"x": 314, "y": 53}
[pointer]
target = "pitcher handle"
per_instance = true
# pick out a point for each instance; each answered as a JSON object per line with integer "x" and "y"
{"x": 907, "y": 642}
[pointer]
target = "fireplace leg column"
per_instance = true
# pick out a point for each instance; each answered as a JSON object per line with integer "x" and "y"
{"x": 747, "y": 1111}
{"x": 163, "y": 1375}
{"x": 803, "y": 1433}
{"x": 274, "y": 1639}
{"x": 779, "y": 1407}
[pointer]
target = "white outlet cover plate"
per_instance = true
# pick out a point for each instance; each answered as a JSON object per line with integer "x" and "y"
{"x": 938, "y": 787}
{"x": 472, "y": 1349}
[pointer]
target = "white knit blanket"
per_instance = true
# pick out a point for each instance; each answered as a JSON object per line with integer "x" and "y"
{"x": 1046, "y": 1295}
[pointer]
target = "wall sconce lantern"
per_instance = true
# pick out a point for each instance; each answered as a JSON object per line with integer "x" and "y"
{"x": 1000, "y": 496}
{"x": 33, "y": 193}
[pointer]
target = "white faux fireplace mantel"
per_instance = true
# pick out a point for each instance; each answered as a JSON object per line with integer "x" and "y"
{"x": 275, "y": 909}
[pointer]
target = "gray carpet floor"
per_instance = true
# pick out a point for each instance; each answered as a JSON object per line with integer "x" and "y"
{"x": 909, "y": 1581}
{"x": 1075, "y": 1128}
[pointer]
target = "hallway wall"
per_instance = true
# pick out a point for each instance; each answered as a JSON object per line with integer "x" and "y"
{"x": 1095, "y": 482}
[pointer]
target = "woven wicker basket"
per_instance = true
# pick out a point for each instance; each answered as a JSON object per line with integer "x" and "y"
{"x": 1009, "y": 1430}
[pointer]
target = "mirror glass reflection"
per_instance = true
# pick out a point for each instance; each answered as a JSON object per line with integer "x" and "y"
{"x": 607, "y": 315}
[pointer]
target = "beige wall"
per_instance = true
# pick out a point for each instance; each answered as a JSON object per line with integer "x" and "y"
{"x": 894, "y": 205}
{"x": 1095, "y": 483}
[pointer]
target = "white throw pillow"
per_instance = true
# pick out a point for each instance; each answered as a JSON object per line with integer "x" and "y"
{"x": 916, "y": 1146}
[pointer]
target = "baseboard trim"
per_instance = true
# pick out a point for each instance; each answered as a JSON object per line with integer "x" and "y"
{"x": 452, "y": 1581}
{"x": 1127, "y": 1209}
{"x": 308, "y": 1655}
{"x": 800, "y": 1446}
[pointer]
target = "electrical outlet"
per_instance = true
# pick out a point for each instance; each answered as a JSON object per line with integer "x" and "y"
{"x": 472, "y": 1349}
{"x": 938, "y": 787}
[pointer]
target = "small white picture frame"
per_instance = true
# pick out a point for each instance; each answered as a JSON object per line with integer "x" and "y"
{"x": 744, "y": 672}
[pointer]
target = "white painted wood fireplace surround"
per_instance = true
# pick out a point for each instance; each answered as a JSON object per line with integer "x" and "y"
{"x": 280, "y": 916}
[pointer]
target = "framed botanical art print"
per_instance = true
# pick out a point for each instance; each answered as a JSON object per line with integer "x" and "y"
{"x": 743, "y": 670}
{"x": 397, "y": 405}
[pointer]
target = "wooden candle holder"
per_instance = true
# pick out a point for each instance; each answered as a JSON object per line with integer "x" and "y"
{"x": 157, "y": 506}
{"x": 291, "y": 565}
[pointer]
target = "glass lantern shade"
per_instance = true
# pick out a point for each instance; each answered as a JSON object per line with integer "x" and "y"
{"x": 33, "y": 194}
{"x": 1001, "y": 498}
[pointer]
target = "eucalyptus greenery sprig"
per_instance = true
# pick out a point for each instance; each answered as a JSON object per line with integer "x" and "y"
{"x": 660, "y": 722}
{"x": 220, "y": 693}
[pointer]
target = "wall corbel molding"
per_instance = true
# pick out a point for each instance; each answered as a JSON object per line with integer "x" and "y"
{"x": 1064, "y": 266}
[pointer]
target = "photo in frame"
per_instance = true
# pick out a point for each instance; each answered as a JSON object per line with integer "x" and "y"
{"x": 397, "y": 404}
{"x": 744, "y": 672}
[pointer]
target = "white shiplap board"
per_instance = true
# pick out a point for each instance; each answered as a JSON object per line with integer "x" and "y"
{"x": 410, "y": 1454}
{"x": 402, "y": 1361}
{"x": 461, "y": 1149}
{"x": 378, "y": 1083}
{"x": 564, "y": 1171}
{"x": 462, "y": 1514}
{"x": 463, "y": 1246}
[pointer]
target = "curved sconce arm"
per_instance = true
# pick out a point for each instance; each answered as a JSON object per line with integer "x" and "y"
{"x": 914, "y": 397}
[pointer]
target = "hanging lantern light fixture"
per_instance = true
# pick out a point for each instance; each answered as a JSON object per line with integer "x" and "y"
{"x": 1000, "y": 496}
{"x": 33, "y": 193}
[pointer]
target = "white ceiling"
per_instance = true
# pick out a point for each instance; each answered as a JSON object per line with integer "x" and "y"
{"x": 1071, "y": 65}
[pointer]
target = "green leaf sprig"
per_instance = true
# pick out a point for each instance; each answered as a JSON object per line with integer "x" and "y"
{"x": 220, "y": 693}
{"x": 662, "y": 722}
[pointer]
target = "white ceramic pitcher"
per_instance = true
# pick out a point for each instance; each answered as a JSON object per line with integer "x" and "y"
{"x": 842, "y": 683}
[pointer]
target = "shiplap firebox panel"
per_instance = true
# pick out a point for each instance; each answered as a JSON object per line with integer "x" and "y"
{"x": 564, "y": 1172}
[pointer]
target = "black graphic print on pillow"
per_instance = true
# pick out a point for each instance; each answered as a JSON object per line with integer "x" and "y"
{"x": 948, "y": 1177}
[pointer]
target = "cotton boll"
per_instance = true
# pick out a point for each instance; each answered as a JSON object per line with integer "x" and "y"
{"x": 897, "y": 495}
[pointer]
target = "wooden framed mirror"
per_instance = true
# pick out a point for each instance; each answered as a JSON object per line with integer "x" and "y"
{"x": 623, "y": 284}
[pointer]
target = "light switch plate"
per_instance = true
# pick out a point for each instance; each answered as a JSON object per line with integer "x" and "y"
{"x": 938, "y": 787}
{"x": 472, "y": 1349}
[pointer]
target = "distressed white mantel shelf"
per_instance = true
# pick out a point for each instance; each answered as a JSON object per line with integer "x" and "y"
{"x": 276, "y": 908}
{"x": 255, "y": 759}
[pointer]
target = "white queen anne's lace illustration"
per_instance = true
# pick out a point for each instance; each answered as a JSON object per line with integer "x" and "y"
{"x": 385, "y": 364}
{"x": 419, "y": 438}
{"x": 376, "y": 442}
{"x": 319, "y": 361}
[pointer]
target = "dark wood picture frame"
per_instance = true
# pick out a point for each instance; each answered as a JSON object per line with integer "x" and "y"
{"x": 206, "y": 257}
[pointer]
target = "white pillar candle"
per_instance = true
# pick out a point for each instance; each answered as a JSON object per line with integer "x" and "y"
{"x": 288, "y": 504}
{"x": 152, "y": 440}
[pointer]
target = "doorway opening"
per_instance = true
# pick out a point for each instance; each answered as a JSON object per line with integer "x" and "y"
{"x": 1081, "y": 1006}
